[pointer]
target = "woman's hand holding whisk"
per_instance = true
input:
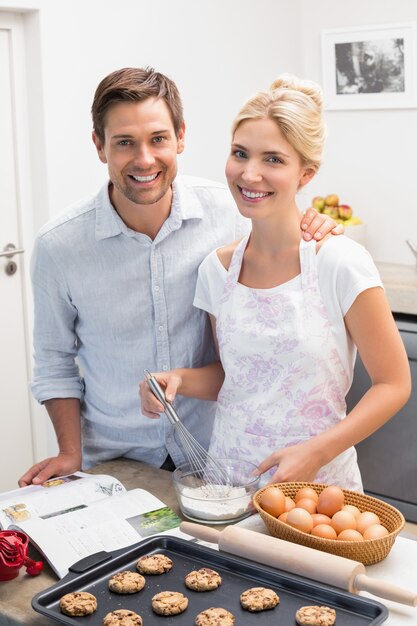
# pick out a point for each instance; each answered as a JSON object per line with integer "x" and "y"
{"x": 170, "y": 383}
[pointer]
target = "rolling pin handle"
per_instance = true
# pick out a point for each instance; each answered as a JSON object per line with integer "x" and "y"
{"x": 385, "y": 590}
{"x": 200, "y": 532}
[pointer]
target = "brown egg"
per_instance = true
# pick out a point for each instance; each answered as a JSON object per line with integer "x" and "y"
{"x": 352, "y": 509}
{"x": 349, "y": 535}
{"x": 272, "y": 500}
{"x": 283, "y": 517}
{"x": 375, "y": 532}
{"x": 325, "y": 531}
{"x": 308, "y": 504}
{"x": 365, "y": 519}
{"x": 319, "y": 518}
{"x": 300, "y": 519}
{"x": 330, "y": 500}
{"x": 343, "y": 520}
{"x": 289, "y": 503}
{"x": 306, "y": 492}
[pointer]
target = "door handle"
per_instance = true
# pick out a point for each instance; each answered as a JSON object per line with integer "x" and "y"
{"x": 10, "y": 250}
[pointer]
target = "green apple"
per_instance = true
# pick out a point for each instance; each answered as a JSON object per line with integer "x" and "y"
{"x": 318, "y": 203}
{"x": 331, "y": 200}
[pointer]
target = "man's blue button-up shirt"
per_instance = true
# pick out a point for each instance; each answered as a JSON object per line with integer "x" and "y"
{"x": 110, "y": 302}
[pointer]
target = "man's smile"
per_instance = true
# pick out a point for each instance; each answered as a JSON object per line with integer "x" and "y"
{"x": 144, "y": 179}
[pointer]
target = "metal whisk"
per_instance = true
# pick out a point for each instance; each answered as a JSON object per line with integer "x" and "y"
{"x": 212, "y": 474}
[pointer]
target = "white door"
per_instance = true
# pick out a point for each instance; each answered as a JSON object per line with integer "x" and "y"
{"x": 16, "y": 453}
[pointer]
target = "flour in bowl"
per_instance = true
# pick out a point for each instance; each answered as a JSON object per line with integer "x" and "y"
{"x": 197, "y": 502}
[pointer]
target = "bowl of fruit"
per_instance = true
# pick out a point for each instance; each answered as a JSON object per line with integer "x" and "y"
{"x": 342, "y": 214}
{"x": 326, "y": 517}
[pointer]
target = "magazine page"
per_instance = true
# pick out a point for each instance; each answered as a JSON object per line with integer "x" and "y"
{"x": 55, "y": 497}
{"x": 108, "y": 524}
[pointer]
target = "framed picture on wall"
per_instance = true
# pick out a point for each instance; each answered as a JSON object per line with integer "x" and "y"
{"x": 370, "y": 67}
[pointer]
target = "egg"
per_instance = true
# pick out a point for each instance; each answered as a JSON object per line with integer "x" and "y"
{"x": 306, "y": 492}
{"x": 331, "y": 499}
{"x": 307, "y": 503}
{"x": 289, "y": 503}
{"x": 352, "y": 509}
{"x": 283, "y": 517}
{"x": 324, "y": 531}
{"x": 343, "y": 520}
{"x": 375, "y": 531}
{"x": 349, "y": 535}
{"x": 365, "y": 519}
{"x": 300, "y": 519}
{"x": 319, "y": 518}
{"x": 272, "y": 500}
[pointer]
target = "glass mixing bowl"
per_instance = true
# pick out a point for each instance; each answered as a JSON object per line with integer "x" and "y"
{"x": 216, "y": 503}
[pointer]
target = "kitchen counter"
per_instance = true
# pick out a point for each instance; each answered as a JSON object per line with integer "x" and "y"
{"x": 16, "y": 595}
{"x": 400, "y": 282}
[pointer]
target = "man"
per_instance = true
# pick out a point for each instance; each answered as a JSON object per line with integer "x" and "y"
{"x": 113, "y": 282}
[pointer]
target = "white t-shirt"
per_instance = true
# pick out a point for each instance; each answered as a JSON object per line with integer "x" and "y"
{"x": 345, "y": 269}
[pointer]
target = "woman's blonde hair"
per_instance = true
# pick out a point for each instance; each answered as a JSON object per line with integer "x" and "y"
{"x": 296, "y": 106}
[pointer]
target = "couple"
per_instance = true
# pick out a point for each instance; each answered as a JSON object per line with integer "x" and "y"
{"x": 114, "y": 277}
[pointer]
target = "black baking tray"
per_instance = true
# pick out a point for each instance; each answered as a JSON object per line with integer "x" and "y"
{"x": 92, "y": 574}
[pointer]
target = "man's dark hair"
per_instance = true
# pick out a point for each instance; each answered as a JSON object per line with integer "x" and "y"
{"x": 134, "y": 84}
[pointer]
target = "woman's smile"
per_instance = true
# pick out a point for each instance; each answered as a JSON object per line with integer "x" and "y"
{"x": 253, "y": 195}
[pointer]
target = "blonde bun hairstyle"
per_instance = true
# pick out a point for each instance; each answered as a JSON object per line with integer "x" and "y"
{"x": 296, "y": 106}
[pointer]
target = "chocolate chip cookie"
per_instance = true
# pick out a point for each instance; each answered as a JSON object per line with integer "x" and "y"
{"x": 203, "y": 579}
{"x": 169, "y": 603}
{"x": 78, "y": 603}
{"x": 258, "y": 599}
{"x": 215, "y": 617}
{"x": 126, "y": 582}
{"x": 154, "y": 564}
{"x": 315, "y": 616}
{"x": 122, "y": 617}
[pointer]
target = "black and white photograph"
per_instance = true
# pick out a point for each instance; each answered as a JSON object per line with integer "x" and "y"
{"x": 369, "y": 67}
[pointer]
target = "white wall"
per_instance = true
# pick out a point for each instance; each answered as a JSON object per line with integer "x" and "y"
{"x": 370, "y": 159}
{"x": 219, "y": 52}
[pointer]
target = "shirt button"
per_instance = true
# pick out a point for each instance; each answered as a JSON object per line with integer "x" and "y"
{"x": 161, "y": 328}
{"x": 165, "y": 367}
{"x": 156, "y": 288}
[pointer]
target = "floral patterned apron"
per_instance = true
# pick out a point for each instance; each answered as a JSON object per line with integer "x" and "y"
{"x": 285, "y": 381}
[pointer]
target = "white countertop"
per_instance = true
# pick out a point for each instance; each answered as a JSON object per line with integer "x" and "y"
{"x": 398, "y": 568}
{"x": 400, "y": 282}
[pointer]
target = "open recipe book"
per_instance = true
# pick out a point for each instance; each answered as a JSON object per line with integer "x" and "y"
{"x": 72, "y": 517}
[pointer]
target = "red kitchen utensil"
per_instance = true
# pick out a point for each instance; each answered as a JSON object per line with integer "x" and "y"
{"x": 13, "y": 554}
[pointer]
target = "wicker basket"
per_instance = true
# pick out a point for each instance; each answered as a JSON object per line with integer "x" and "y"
{"x": 368, "y": 551}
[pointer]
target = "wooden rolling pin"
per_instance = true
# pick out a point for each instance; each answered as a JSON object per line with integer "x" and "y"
{"x": 297, "y": 559}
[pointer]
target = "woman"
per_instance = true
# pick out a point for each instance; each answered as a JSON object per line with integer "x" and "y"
{"x": 288, "y": 315}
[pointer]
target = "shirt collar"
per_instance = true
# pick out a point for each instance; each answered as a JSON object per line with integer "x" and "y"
{"x": 107, "y": 224}
{"x": 185, "y": 205}
{"x": 185, "y": 202}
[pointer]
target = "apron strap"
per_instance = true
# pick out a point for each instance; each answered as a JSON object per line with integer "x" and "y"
{"x": 308, "y": 263}
{"x": 236, "y": 262}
